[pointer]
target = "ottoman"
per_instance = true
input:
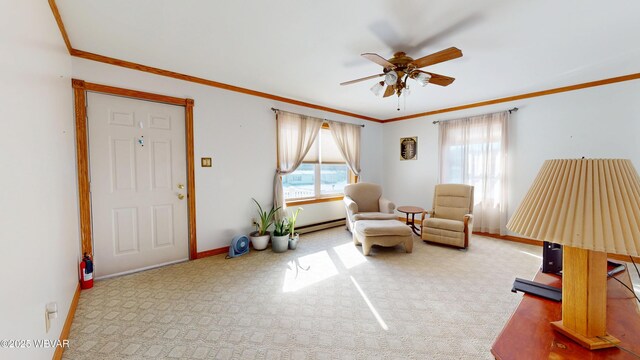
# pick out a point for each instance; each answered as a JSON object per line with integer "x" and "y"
{"x": 383, "y": 233}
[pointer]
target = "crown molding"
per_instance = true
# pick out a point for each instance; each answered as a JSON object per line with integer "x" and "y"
{"x": 557, "y": 90}
{"x": 157, "y": 71}
{"x": 212, "y": 83}
{"x": 63, "y": 31}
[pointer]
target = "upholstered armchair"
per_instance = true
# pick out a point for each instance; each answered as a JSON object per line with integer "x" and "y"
{"x": 450, "y": 221}
{"x": 364, "y": 201}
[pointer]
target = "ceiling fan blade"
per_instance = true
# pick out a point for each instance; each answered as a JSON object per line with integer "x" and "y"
{"x": 445, "y": 30}
{"x": 440, "y": 56}
{"x": 389, "y": 91}
{"x": 361, "y": 79}
{"x": 438, "y": 79}
{"x": 379, "y": 60}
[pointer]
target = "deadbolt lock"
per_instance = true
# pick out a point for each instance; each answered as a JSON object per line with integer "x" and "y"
{"x": 180, "y": 186}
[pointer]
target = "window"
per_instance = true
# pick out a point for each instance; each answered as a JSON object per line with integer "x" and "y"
{"x": 473, "y": 151}
{"x": 323, "y": 172}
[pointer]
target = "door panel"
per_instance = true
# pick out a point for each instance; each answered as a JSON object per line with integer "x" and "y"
{"x": 125, "y": 230}
{"x": 137, "y": 162}
{"x": 123, "y": 165}
{"x": 121, "y": 118}
{"x": 161, "y": 162}
{"x": 162, "y": 225}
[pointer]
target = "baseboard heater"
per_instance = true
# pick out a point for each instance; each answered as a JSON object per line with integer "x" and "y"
{"x": 321, "y": 226}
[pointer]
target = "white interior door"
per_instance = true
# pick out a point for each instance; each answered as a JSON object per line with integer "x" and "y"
{"x": 137, "y": 160}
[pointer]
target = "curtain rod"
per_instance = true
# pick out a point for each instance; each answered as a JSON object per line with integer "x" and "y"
{"x": 510, "y": 111}
{"x": 274, "y": 110}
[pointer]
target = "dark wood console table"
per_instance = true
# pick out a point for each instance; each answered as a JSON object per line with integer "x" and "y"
{"x": 528, "y": 334}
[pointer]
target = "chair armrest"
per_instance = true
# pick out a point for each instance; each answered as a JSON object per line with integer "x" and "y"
{"x": 468, "y": 229}
{"x": 468, "y": 222}
{"x": 431, "y": 213}
{"x": 386, "y": 206}
{"x": 352, "y": 207}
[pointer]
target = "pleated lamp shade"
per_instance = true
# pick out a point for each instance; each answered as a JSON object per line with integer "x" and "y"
{"x": 592, "y": 204}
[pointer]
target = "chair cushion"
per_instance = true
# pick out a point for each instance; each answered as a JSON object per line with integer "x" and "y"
{"x": 366, "y": 195}
{"x": 453, "y": 201}
{"x": 445, "y": 224}
{"x": 441, "y": 236}
{"x": 382, "y": 228}
{"x": 374, "y": 216}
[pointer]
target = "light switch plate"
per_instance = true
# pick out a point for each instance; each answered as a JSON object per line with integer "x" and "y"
{"x": 205, "y": 162}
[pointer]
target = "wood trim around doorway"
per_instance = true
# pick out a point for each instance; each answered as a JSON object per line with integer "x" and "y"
{"x": 191, "y": 178}
{"x": 82, "y": 154}
{"x": 80, "y": 88}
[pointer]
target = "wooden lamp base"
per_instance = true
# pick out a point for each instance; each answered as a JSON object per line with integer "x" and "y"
{"x": 591, "y": 343}
{"x": 584, "y": 298}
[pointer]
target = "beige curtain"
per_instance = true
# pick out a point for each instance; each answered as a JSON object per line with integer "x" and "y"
{"x": 295, "y": 135}
{"x": 347, "y": 138}
{"x": 473, "y": 151}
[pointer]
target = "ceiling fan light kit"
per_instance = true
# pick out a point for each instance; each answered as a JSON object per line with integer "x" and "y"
{"x": 376, "y": 89}
{"x": 391, "y": 78}
{"x": 400, "y": 68}
{"x": 422, "y": 78}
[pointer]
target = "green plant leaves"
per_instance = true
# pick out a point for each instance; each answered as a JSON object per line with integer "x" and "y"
{"x": 266, "y": 218}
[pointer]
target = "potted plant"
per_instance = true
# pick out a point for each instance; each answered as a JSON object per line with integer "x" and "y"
{"x": 260, "y": 237}
{"x": 293, "y": 235}
{"x": 280, "y": 238}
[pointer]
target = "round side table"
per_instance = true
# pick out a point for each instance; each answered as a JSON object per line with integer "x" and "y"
{"x": 411, "y": 210}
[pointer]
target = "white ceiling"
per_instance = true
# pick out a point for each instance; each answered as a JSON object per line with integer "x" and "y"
{"x": 303, "y": 49}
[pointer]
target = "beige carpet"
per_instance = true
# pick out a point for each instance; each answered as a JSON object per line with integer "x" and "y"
{"x": 322, "y": 301}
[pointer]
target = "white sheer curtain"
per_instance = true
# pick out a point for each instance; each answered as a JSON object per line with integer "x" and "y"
{"x": 347, "y": 138}
{"x": 295, "y": 135}
{"x": 473, "y": 151}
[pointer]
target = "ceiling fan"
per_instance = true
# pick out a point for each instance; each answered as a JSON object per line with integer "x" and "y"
{"x": 400, "y": 68}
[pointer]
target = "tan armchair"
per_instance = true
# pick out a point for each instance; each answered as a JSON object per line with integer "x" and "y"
{"x": 451, "y": 220}
{"x": 364, "y": 201}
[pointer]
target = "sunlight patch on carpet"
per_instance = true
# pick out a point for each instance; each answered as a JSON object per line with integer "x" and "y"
{"x": 308, "y": 270}
{"x": 349, "y": 255}
{"x": 383, "y": 325}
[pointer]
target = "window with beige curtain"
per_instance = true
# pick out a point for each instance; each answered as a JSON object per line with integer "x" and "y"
{"x": 473, "y": 151}
{"x": 322, "y": 173}
{"x": 296, "y": 134}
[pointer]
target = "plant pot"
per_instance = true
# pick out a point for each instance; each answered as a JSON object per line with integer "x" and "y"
{"x": 259, "y": 242}
{"x": 293, "y": 241}
{"x": 280, "y": 243}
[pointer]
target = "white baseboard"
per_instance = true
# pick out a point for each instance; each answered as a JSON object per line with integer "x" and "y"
{"x": 141, "y": 269}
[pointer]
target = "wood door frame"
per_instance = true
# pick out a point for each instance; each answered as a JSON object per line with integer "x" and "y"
{"x": 80, "y": 89}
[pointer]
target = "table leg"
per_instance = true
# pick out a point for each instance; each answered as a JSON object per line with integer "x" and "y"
{"x": 413, "y": 223}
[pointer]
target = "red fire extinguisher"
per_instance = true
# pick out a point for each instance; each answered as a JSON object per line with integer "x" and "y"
{"x": 86, "y": 272}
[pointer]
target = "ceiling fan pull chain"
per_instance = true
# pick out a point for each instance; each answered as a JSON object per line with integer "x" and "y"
{"x": 404, "y": 104}
{"x": 398, "y": 103}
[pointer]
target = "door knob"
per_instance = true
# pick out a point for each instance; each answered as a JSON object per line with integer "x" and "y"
{"x": 180, "y": 196}
{"x": 180, "y": 186}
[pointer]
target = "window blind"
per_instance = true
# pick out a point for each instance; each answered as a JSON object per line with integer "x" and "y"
{"x": 324, "y": 150}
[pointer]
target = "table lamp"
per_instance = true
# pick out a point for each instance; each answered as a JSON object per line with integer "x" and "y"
{"x": 591, "y": 207}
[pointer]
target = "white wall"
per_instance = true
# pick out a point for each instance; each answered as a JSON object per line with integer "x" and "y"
{"x": 39, "y": 241}
{"x": 598, "y": 122}
{"x": 238, "y": 132}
